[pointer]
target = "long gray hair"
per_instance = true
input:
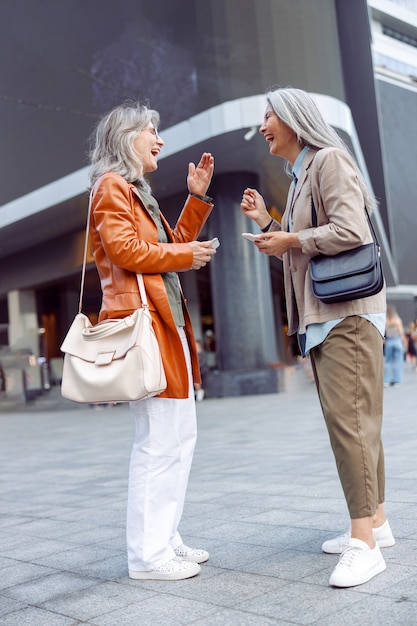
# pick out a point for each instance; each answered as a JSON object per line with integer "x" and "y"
{"x": 297, "y": 109}
{"x": 113, "y": 139}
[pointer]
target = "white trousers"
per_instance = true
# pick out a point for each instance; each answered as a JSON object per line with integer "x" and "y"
{"x": 166, "y": 433}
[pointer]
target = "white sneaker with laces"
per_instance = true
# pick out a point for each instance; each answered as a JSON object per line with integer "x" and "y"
{"x": 175, "y": 569}
{"x": 191, "y": 554}
{"x": 382, "y": 535}
{"x": 357, "y": 564}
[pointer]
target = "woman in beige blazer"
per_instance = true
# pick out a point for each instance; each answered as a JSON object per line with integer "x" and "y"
{"x": 129, "y": 235}
{"x": 343, "y": 340}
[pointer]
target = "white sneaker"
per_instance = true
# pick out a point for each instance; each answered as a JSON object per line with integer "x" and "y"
{"x": 357, "y": 564}
{"x": 175, "y": 569}
{"x": 382, "y": 535}
{"x": 191, "y": 554}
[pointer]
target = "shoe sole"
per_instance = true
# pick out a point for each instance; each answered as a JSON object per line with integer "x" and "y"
{"x": 153, "y": 575}
{"x": 378, "y": 569}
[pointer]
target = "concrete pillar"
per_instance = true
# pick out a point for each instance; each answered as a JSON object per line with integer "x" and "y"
{"x": 23, "y": 374}
{"x": 23, "y": 320}
{"x": 190, "y": 289}
{"x": 241, "y": 290}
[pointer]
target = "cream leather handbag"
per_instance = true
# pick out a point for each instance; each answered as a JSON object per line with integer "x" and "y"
{"x": 117, "y": 360}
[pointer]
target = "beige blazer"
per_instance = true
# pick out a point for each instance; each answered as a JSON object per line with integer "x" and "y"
{"x": 330, "y": 176}
{"x": 124, "y": 239}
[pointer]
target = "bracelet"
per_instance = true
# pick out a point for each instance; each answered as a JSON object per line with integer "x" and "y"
{"x": 203, "y": 198}
{"x": 264, "y": 230}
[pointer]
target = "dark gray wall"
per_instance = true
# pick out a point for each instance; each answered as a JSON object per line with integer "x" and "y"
{"x": 358, "y": 73}
{"x": 64, "y": 63}
{"x": 398, "y": 123}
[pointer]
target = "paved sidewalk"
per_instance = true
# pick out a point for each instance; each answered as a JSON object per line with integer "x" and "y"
{"x": 263, "y": 496}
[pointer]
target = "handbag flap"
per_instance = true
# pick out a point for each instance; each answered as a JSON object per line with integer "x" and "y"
{"x": 344, "y": 264}
{"x": 108, "y": 340}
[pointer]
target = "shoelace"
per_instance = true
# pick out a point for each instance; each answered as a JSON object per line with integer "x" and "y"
{"x": 349, "y": 556}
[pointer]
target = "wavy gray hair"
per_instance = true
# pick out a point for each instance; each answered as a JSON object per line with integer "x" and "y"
{"x": 113, "y": 139}
{"x": 297, "y": 109}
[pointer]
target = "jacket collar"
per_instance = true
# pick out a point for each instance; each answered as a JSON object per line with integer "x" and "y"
{"x": 161, "y": 216}
{"x": 293, "y": 193}
{"x": 304, "y": 172}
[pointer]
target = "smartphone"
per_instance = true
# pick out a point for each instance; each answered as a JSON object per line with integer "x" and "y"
{"x": 251, "y": 236}
{"x": 215, "y": 243}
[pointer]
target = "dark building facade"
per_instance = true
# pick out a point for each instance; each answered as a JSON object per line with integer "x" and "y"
{"x": 205, "y": 66}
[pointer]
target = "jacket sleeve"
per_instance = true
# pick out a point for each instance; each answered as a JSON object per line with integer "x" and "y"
{"x": 339, "y": 204}
{"x": 133, "y": 245}
{"x": 275, "y": 226}
{"x": 191, "y": 220}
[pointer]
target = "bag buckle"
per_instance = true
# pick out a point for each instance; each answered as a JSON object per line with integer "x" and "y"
{"x": 104, "y": 358}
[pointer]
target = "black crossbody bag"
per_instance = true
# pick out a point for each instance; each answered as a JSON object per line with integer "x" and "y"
{"x": 349, "y": 275}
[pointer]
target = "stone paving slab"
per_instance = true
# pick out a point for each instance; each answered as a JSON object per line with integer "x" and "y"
{"x": 263, "y": 496}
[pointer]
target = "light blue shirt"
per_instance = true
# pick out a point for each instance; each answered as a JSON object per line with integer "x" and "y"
{"x": 317, "y": 333}
{"x": 296, "y": 169}
{"x": 298, "y": 163}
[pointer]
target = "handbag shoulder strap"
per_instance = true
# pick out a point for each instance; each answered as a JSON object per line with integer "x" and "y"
{"x": 87, "y": 231}
{"x": 314, "y": 220}
{"x": 142, "y": 291}
{"x": 139, "y": 277}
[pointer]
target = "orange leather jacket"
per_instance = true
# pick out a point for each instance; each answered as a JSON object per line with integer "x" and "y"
{"x": 124, "y": 240}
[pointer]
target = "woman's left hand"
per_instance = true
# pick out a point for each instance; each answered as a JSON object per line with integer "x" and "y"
{"x": 199, "y": 178}
{"x": 277, "y": 243}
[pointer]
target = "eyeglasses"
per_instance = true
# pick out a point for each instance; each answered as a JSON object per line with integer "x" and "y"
{"x": 152, "y": 130}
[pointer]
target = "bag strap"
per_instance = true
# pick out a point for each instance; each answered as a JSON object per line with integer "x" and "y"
{"x": 142, "y": 291}
{"x": 139, "y": 277}
{"x": 87, "y": 231}
{"x": 314, "y": 221}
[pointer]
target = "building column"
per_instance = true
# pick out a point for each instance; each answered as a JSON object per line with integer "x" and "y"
{"x": 241, "y": 293}
{"x": 190, "y": 289}
{"x": 23, "y": 373}
{"x": 23, "y": 320}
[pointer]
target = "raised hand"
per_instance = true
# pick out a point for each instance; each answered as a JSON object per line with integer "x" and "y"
{"x": 199, "y": 178}
{"x": 253, "y": 206}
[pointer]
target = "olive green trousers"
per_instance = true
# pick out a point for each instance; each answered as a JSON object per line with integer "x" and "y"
{"x": 349, "y": 373}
